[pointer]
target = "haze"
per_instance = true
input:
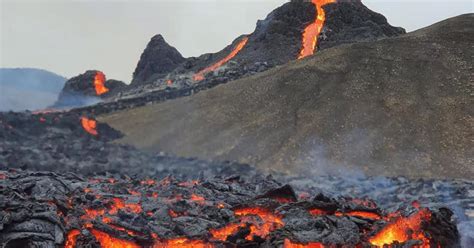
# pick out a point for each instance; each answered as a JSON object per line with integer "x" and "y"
{"x": 69, "y": 37}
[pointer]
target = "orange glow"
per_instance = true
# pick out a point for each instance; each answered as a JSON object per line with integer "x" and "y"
{"x": 89, "y": 125}
{"x": 198, "y": 199}
{"x": 92, "y": 214}
{"x": 363, "y": 214}
{"x": 107, "y": 241}
{"x": 189, "y": 184}
{"x": 317, "y": 212}
{"x": 400, "y": 230}
{"x": 181, "y": 243}
{"x": 148, "y": 182}
{"x": 200, "y": 75}
{"x": 289, "y": 244}
{"x": 120, "y": 204}
{"x": 222, "y": 233}
{"x": 312, "y": 31}
{"x": 99, "y": 83}
{"x": 268, "y": 221}
{"x": 169, "y": 82}
{"x": 71, "y": 238}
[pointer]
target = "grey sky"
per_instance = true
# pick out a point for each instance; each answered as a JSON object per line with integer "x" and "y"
{"x": 69, "y": 37}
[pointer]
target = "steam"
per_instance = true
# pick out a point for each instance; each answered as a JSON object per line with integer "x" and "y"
{"x": 317, "y": 171}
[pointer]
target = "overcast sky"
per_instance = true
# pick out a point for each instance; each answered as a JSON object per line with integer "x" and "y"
{"x": 68, "y": 37}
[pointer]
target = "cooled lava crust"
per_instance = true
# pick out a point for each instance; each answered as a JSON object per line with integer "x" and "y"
{"x": 45, "y": 209}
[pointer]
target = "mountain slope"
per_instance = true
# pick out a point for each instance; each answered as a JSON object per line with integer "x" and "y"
{"x": 28, "y": 88}
{"x": 398, "y": 106}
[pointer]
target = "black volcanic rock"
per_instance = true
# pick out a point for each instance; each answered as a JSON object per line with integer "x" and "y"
{"x": 157, "y": 58}
{"x": 349, "y": 22}
{"x": 80, "y": 90}
{"x": 276, "y": 40}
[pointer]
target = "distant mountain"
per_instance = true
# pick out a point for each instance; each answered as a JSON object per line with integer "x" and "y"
{"x": 28, "y": 88}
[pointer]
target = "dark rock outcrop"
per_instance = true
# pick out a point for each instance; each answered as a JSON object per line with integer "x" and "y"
{"x": 158, "y": 58}
{"x": 81, "y": 91}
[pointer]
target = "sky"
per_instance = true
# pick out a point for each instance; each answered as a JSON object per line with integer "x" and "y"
{"x": 69, "y": 37}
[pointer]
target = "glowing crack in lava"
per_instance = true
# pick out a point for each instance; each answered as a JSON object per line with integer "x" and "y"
{"x": 99, "y": 83}
{"x": 200, "y": 75}
{"x": 401, "y": 228}
{"x": 312, "y": 31}
{"x": 107, "y": 241}
{"x": 89, "y": 125}
{"x": 288, "y": 244}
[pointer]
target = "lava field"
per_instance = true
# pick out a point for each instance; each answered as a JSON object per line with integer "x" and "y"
{"x": 45, "y": 209}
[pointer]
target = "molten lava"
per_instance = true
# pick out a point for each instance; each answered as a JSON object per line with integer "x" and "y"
{"x": 99, "y": 83}
{"x": 71, "y": 238}
{"x": 267, "y": 222}
{"x": 403, "y": 229}
{"x": 119, "y": 204}
{"x": 89, "y": 125}
{"x": 181, "y": 243}
{"x": 200, "y": 75}
{"x": 312, "y": 31}
{"x": 289, "y": 244}
{"x": 361, "y": 214}
{"x": 107, "y": 241}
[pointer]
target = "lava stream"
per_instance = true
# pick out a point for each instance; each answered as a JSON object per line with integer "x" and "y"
{"x": 99, "y": 83}
{"x": 89, "y": 125}
{"x": 312, "y": 31}
{"x": 200, "y": 75}
{"x": 400, "y": 229}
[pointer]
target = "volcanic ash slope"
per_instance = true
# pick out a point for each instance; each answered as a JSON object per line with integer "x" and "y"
{"x": 397, "y": 106}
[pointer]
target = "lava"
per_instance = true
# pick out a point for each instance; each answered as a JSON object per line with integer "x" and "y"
{"x": 267, "y": 222}
{"x": 224, "y": 232}
{"x": 400, "y": 229}
{"x": 181, "y": 243}
{"x": 71, "y": 238}
{"x": 362, "y": 214}
{"x": 107, "y": 241}
{"x": 89, "y": 125}
{"x": 288, "y": 244}
{"x": 119, "y": 204}
{"x": 99, "y": 83}
{"x": 200, "y": 75}
{"x": 312, "y": 31}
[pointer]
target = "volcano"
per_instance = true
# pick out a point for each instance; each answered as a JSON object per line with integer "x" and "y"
{"x": 325, "y": 127}
{"x": 362, "y": 105}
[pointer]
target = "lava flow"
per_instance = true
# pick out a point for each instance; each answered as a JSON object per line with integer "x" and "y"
{"x": 89, "y": 125}
{"x": 200, "y": 75}
{"x": 312, "y": 31}
{"x": 403, "y": 229}
{"x": 99, "y": 83}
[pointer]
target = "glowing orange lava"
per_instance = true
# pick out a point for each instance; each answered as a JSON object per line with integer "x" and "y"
{"x": 99, "y": 83}
{"x": 317, "y": 212}
{"x": 268, "y": 221}
{"x": 200, "y": 75}
{"x": 182, "y": 243}
{"x": 289, "y": 244}
{"x": 362, "y": 214}
{"x": 71, "y": 238}
{"x": 400, "y": 230}
{"x": 312, "y": 31}
{"x": 120, "y": 204}
{"x": 89, "y": 125}
{"x": 107, "y": 241}
{"x": 222, "y": 233}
